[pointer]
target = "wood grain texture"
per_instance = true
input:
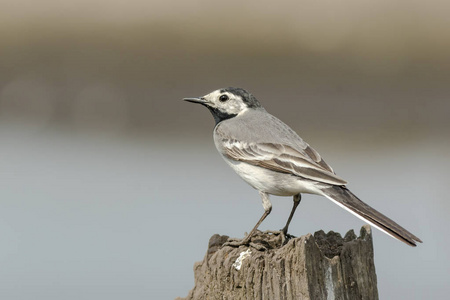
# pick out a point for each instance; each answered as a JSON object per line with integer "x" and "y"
{"x": 319, "y": 266}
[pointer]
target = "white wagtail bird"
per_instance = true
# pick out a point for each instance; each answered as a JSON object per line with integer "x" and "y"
{"x": 274, "y": 160}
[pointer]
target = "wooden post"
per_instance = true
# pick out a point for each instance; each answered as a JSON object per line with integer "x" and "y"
{"x": 319, "y": 266}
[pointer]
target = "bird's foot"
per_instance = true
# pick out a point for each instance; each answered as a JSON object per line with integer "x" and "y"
{"x": 262, "y": 241}
{"x": 285, "y": 237}
{"x": 232, "y": 242}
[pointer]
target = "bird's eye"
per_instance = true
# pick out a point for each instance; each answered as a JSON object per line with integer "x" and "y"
{"x": 223, "y": 98}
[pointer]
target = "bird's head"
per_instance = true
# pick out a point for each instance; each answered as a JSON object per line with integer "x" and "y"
{"x": 227, "y": 103}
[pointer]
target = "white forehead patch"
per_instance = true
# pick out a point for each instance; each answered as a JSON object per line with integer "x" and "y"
{"x": 215, "y": 95}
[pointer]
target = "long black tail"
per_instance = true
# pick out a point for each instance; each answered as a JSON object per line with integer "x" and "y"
{"x": 346, "y": 199}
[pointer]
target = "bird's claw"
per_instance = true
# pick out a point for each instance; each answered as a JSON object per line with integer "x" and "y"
{"x": 235, "y": 243}
{"x": 285, "y": 237}
{"x": 232, "y": 242}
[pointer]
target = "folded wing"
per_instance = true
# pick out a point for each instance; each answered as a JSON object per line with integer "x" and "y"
{"x": 305, "y": 163}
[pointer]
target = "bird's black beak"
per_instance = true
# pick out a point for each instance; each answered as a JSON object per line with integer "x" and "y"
{"x": 196, "y": 100}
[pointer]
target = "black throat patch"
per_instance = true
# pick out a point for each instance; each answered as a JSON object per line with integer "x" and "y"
{"x": 219, "y": 115}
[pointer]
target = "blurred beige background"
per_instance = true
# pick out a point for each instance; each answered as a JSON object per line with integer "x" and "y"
{"x": 110, "y": 185}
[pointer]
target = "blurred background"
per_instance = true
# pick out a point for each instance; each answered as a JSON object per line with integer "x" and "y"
{"x": 110, "y": 185}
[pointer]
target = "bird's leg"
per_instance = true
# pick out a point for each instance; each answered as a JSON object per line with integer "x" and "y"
{"x": 267, "y": 209}
{"x": 297, "y": 199}
{"x": 284, "y": 232}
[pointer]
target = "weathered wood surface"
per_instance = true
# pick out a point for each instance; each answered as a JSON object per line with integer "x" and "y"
{"x": 319, "y": 266}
